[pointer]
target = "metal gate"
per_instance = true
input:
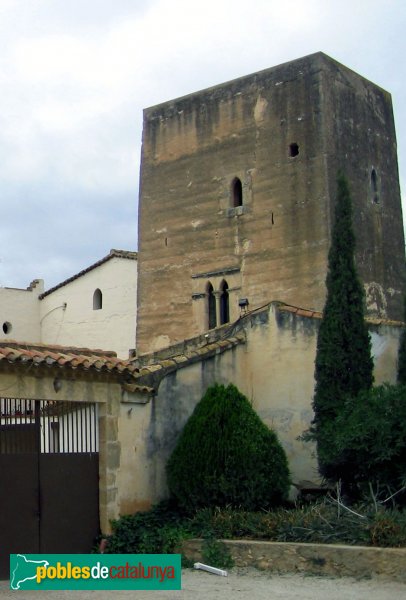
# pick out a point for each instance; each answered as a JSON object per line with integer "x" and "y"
{"x": 49, "y": 478}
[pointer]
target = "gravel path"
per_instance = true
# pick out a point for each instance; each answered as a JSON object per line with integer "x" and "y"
{"x": 248, "y": 584}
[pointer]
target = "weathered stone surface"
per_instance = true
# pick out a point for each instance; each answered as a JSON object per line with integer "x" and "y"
{"x": 312, "y": 559}
{"x": 284, "y": 133}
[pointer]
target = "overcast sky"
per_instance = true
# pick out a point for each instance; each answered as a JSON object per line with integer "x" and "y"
{"x": 76, "y": 74}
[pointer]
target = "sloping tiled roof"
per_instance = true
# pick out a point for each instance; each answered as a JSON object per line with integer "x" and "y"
{"x": 315, "y": 314}
{"x": 112, "y": 254}
{"x": 215, "y": 347}
{"x": 82, "y": 359}
{"x": 145, "y": 378}
{"x": 301, "y": 312}
{"x": 151, "y": 374}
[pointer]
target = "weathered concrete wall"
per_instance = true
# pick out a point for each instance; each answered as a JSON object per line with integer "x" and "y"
{"x": 67, "y": 314}
{"x": 312, "y": 559}
{"x": 19, "y": 312}
{"x": 275, "y": 245}
{"x": 273, "y": 368}
{"x": 134, "y": 471}
{"x": 361, "y": 140}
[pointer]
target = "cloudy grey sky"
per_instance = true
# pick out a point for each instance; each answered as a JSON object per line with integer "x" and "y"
{"x": 76, "y": 74}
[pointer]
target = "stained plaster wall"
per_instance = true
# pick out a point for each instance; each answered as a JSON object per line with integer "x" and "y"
{"x": 274, "y": 369}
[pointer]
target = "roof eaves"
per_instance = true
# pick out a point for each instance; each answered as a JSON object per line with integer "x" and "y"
{"x": 315, "y": 314}
{"x": 112, "y": 254}
{"x": 151, "y": 375}
{"x": 23, "y": 356}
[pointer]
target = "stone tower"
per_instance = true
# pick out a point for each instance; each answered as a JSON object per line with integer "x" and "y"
{"x": 237, "y": 195}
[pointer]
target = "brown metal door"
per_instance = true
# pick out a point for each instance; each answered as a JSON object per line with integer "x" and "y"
{"x": 19, "y": 517}
{"x": 49, "y": 483}
{"x": 69, "y": 485}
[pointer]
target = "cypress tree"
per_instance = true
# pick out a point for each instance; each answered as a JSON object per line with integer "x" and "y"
{"x": 402, "y": 352}
{"x": 343, "y": 365}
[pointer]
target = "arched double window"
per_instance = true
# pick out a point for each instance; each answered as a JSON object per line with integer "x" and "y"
{"x": 211, "y": 306}
{"x": 224, "y": 303}
{"x": 97, "y": 299}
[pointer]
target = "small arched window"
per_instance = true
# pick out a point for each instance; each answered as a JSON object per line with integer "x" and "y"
{"x": 211, "y": 307}
{"x": 97, "y": 300}
{"x": 374, "y": 186}
{"x": 236, "y": 192}
{"x": 224, "y": 303}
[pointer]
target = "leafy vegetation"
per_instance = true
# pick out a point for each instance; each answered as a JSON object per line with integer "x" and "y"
{"x": 216, "y": 554}
{"x": 227, "y": 456}
{"x": 343, "y": 366}
{"x": 159, "y": 530}
{"x": 402, "y": 352}
{"x": 370, "y": 439}
{"x": 370, "y": 435}
{"x": 327, "y": 522}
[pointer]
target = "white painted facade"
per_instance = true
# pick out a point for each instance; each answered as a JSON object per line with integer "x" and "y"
{"x": 20, "y": 312}
{"x": 69, "y": 319}
{"x": 65, "y": 315}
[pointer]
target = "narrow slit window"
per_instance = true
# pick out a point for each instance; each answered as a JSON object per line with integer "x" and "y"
{"x": 211, "y": 307}
{"x": 224, "y": 304}
{"x": 97, "y": 300}
{"x": 293, "y": 150}
{"x": 374, "y": 186}
{"x": 236, "y": 192}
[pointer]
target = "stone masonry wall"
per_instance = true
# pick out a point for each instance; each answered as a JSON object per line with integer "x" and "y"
{"x": 283, "y": 133}
{"x": 312, "y": 559}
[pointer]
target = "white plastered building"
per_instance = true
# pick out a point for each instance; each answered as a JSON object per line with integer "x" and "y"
{"x": 96, "y": 308}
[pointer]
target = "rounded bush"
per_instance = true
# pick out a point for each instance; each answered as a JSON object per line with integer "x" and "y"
{"x": 227, "y": 456}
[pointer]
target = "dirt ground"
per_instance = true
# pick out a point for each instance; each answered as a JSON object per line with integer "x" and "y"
{"x": 248, "y": 584}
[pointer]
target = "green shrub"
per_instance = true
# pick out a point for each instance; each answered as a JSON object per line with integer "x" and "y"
{"x": 227, "y": 523}
{"x": 227, "y": 456}
{"x": 216, "y": 554}
{"x": 369, "y": 444}
{"x": 402, "y": 351}
{"x": 388, "y": 529}
{"x": 162, "y": 530}
{"x": 324, "y": 523}
{"x": 158, "y": 531}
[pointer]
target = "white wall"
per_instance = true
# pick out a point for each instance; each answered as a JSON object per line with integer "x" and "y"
{"x": 19, "y": 313}
{"x": 67, "y": 316}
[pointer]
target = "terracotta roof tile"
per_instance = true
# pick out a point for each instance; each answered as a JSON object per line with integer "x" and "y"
{"x": 181, "y": 358}
{"x": 144, "y": 389}
{"x": 148, "y": 369}
{"x": 151, "y": 375}
{"x": 56, "y": 349}
{"x": 69, "y": 358}
{"x": 302, "y": 312}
